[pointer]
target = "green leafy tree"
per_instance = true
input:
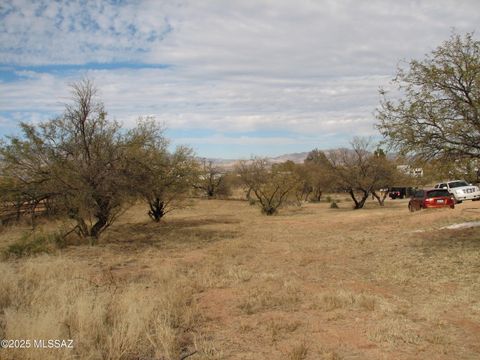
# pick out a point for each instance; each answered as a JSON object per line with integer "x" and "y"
{"x": 437, "y": 113}
{"x": 437, "y": 170}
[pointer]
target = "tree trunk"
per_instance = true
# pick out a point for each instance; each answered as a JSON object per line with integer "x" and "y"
{"x": 269, "y": 210}
{"x": 317, "y": 195}
{"x": 18, "y": 210}
{"x": 33, "y": 209}
{"x": 359, "y": 203}
{"x": 363, "y": 200}
{"x": 249, "y": 193}
{"x": 380, "y": 199}
{"x": 352, "y": 195}
{"x": 81, "y": 226}
{"x": 210, "y": 191}
{"x": 97, "y": 228}
{"x": 157, "y": 209}
{"x": 103, "y": 215}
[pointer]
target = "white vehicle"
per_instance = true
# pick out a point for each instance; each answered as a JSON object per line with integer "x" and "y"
{"x": 461, "y": 190}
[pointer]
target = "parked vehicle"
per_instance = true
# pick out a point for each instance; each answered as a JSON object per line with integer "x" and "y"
{"x": 399, "y": 192}
{"x": 431, "y": 198}
{"x": 461, "y": 190}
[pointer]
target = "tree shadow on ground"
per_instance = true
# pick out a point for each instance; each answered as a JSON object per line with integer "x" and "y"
{"x": 445, "y": 239}
{"x": 193, "y": 233}
{"x": 294, "y": 211}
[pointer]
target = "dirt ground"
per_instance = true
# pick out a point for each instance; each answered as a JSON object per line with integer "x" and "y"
{"x": 309, "y": 283}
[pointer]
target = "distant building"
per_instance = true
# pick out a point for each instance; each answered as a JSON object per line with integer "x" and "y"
{"x": 407, "y": 169}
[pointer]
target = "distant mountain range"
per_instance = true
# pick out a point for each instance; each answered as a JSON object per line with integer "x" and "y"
{"x": 297, "y": 158}
{"x": 230, "y": 163}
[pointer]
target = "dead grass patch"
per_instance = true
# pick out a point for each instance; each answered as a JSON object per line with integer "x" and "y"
{"x": 343, "y": 299}
{"x": 221, "y": 274}
{"x": 56, "y": 298}
{"x": 165, "y": 237}
{"x": 298, "y": 352}
{"x": 286, "y": 297}
{"x": 329, "y": 354}
{"x": 279, "y": 329}
{"x": 396, "y": 332}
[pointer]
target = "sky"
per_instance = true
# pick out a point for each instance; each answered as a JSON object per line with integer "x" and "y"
{"x": 232, "y": 78}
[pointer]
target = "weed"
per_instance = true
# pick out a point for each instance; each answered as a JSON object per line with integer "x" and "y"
{"x": 298, "y": 352}
{"x": 258, "y": 300}
{"x": 341, "y": 299}
{"x": 329, "y": 354}
{"x": 108, "y": 318}
{"x": 31, "y": 244}
{"x": 396, "y": 331}
{"x": 280, "y": 329}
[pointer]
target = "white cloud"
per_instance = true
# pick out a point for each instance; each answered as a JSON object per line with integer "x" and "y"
{"x": 336, "y": 105}
{"x": 220, "y": 139}
{"x": 302, "y": 67}
{"x": 299, "y": 37}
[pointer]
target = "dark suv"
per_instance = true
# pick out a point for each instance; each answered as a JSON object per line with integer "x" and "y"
{"x": 399, "y": 192}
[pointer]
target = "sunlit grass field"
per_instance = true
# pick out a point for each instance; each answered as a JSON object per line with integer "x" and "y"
{"x": 219, "y": 280}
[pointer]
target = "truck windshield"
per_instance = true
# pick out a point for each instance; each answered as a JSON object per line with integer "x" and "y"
{"x": 457, "y": 184}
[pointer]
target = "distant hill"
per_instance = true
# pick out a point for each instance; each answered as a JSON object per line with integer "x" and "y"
{"x": 230, "y": 163}
{"x": 297, "y": 158}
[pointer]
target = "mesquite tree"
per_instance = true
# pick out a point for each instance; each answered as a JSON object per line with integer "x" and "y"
{"x": 162, "y": 178}
{"x": 437, "y": 114}
{"x": 78, "y": 158}
{"x": 171, "y": 179}
{"x": 319, "y": 174}
{"x": 359, "y": 170}
{"x": 210, "y": 179}
{"x": 271, "y": 185}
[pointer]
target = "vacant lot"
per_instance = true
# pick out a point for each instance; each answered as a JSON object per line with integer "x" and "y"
{"x": 221, "y": 281}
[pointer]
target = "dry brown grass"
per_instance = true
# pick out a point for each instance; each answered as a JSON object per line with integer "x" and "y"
{"x": 220, "y": 281}
{"x": 298, "y": 352}
{"x": 108, "y": 317}
{"x": 342, "y": 299}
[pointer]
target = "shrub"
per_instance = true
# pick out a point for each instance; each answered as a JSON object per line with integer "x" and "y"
{"x": 32, "y": 244}
{"x": 333, "y": 205}
{"x": 270, "y": 185}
